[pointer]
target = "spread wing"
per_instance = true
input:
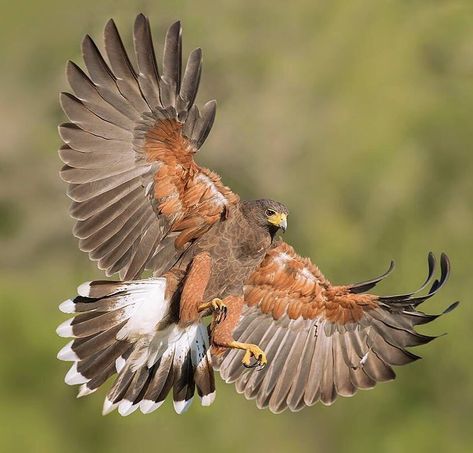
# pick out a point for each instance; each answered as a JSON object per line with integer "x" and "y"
{"x": 138, "y": 196}
{"x": 322, "y": 340}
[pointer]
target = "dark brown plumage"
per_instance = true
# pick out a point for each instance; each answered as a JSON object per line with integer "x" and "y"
{"x": 280, "y": 330}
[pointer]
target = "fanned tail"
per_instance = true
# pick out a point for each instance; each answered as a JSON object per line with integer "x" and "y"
{"x": 128, "y": 329}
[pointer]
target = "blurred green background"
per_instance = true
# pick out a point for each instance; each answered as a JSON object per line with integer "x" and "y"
{"x": 357, "y": 114}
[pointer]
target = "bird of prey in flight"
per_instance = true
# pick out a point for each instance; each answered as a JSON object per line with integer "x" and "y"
{"x": 284, "y": 334}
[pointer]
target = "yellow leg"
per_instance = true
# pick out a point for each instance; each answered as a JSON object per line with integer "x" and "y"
{"x": 217, "y": 306}
{"x": 251, "y": 350}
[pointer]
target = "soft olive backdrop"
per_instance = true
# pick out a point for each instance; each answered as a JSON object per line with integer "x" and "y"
{"x": 358, "y": 115}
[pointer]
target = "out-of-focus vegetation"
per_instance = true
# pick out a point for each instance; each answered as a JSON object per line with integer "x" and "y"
{"x": 358, "y": 115}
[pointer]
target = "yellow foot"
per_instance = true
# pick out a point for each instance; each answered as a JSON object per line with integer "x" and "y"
{"x": 258, "y": 354}
{"x": 218, "y": 308}
{"x": 251, "y": 351}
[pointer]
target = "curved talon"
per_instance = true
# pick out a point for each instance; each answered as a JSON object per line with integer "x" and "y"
{"x": 220, "y": 310}
{"x": 256, "y": 352}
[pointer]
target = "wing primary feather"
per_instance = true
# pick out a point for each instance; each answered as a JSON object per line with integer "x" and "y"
{"x": 415, "y": 301}
{"x": 148, "y": 76}
{"x": 107, "y": 232}
{"x": 190, "y": 83}
{"x": 87, "y": 92}
{"x": 126, "y": 78}
{"x": 203, "y": 126}
{"x": 172, "y": 64}
{"x": 362, "y": 287}
{"x": 80, "y": 115}
{"x": 104, "y": 80}
{"x": 86, "y": 142}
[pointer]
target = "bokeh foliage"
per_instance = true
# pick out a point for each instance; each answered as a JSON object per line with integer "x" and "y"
{"x": 356, "y": 114}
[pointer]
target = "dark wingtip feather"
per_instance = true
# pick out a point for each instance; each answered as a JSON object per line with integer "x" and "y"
{"x": 87, "y": 41}
{"x": 172, "y": 54}
{"x": 431, "y": 262}
{"x": 361, "y": 287}
{"x": 110, "y": 23}
{"x": 208, "y": 117}
{"x": 445, "y": 266}
{"x": 407, "y": 299}
{"x": 451, "y": 307}
{"x": 175, "y": 26}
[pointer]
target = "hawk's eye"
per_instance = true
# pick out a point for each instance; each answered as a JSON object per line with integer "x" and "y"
{"x": 270, "y": 212}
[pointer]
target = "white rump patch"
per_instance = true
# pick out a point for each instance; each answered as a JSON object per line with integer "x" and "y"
{"x": 147, "y": 309}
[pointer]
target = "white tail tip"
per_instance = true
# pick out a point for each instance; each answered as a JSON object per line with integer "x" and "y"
{"x": 181, "y": 406}
{"x": 127, "y": 407}
{"x": 148, "y": 406}
{"x": 73, "y": 377}
{"x": 67, "y": 306}
{"x": 207, "y": 400}
{"x": 84, "y": 289}
{"x": 67, "y": 354}
{"x": 64, "y": 330}
{"x": 84, "y": 391}
{"x": 108, "y": 406}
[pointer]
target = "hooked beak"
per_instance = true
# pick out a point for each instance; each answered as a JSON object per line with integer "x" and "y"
{"x": 279, "y": 220}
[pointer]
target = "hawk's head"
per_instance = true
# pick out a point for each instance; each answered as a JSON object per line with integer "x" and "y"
{"x": 267, "y": 213}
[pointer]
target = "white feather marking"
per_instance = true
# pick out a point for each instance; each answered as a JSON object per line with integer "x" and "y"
{"x": 68, "y": 306}
{"x": 364, "y": 359}
{"x": 64, "y": 330}
{"x": 126, "y": 408}
{"x": 147, "y": 311}
{"x": 119, "y": 364}
{"x": 207, "y": 400}
{"x": 182, "y": 406}
{"x": 73, "y": 377}
{"x": 148, "y": 406}
{"x": 306, "y": 273}
{"x": 216, "y": 195}
{"x": 149, "y": 188}
{"x": 282, "y": 258}
{"x": 67, "y": 354}
{"x": 108, "y": 406}
{"x": 84, "y": 289}
{"x": 84, "y": 391}
{"x": 199, "y": 347}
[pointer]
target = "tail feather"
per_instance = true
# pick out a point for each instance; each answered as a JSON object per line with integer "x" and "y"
{"x": 202, "y": 363}
{"x": 125, "y": 328}
{"x": 160, "y": 383}
{"x": 184, "y": 385}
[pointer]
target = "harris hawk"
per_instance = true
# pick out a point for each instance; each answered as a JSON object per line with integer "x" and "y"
{"x": 279, "y": 329}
